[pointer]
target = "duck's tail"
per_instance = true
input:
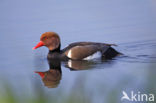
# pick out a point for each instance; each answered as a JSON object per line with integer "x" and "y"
{"x": 111, "y": 53}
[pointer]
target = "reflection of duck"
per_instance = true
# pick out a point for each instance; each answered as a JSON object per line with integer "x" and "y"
{"x": 52, "y": 77}
{"x": 75, "y": 51}
{"x": 87, "y": 64}
{"x": 79, "y": 64}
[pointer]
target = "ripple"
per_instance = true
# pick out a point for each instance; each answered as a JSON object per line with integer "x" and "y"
{"x": 141, "y": 51}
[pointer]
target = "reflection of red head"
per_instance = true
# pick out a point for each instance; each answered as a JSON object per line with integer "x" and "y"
{"x": 50, "y": 78}
{"x": 42, "y": 74}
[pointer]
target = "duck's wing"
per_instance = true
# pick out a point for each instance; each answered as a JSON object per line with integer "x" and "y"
{"x": 81, "y": 52}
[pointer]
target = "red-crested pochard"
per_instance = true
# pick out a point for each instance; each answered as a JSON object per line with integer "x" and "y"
{"x": 77, "y": 50}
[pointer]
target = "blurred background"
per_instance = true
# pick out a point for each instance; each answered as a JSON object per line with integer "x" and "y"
{"x": 131, "y": 24}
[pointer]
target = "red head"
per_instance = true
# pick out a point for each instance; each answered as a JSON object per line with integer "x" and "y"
{"x": 50, "y": 40}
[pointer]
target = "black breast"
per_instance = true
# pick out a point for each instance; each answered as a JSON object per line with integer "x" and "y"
{"x": 57, "y": 56}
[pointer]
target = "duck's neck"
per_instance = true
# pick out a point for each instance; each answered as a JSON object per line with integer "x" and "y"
{"x": 55, "y": 50}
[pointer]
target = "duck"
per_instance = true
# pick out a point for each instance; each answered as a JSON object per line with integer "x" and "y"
{"x": 76, "y": 50}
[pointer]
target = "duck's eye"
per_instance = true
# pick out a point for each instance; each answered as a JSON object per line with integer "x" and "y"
{"x": 46, "y": 38}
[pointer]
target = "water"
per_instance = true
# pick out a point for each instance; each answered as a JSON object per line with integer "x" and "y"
{"x": 129, "y": 24}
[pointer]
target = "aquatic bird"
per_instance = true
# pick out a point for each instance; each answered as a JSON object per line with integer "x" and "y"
{"x": 77, "y": 50}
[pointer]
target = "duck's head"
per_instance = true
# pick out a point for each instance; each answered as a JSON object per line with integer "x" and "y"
{"x": 49, "y": 39}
